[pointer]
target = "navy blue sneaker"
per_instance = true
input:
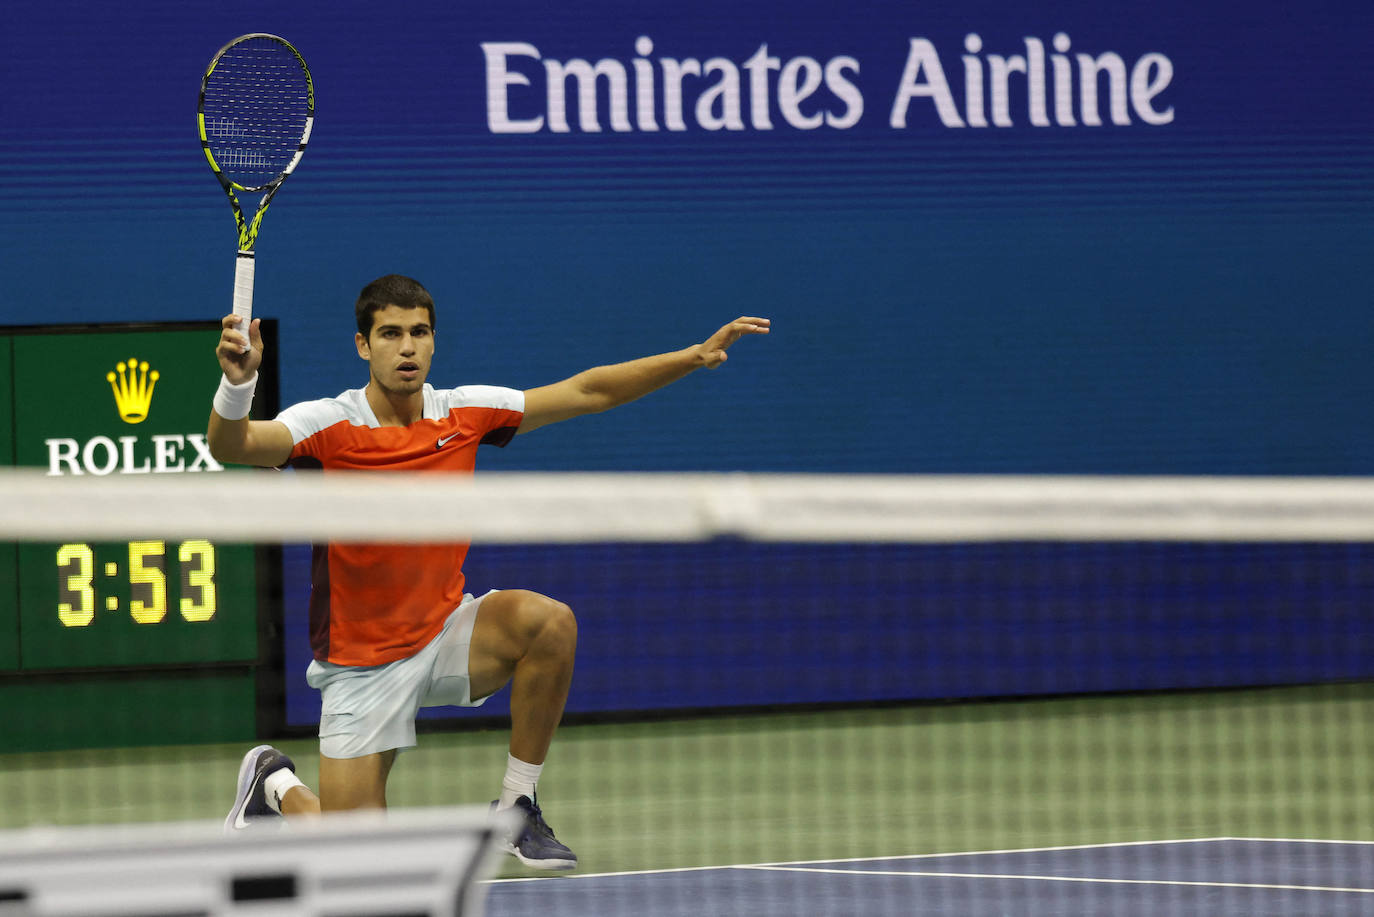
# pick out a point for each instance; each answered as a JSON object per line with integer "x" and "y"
{"x": 533, "y": 843}
{"x": 250, "y": 805}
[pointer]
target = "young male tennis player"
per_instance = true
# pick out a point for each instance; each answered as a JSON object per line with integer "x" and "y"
{"x": 391, "y": 628}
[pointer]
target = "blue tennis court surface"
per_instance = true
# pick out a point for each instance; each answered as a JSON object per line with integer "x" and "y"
{"x": 1216, "y": 877}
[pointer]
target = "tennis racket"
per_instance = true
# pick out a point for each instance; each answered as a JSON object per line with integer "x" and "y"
{"x": 257, "y": 105}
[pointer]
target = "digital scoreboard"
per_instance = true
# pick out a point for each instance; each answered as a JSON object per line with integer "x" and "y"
{"x": 145, "y": 617}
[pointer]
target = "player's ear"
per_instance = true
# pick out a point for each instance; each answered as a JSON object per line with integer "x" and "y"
{"x": 361, "y": 343}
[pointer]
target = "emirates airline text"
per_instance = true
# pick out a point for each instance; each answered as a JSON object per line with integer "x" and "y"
{"x": 1054, "y": 86}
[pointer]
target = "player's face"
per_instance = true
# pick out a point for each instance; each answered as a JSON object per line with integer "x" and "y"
{"x": 399, "y": 349}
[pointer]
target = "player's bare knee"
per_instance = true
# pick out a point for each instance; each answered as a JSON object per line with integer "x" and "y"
{"x": 553, "y": 627}
{"x": 561, "y": 626}
{"x": 537, "y": 623}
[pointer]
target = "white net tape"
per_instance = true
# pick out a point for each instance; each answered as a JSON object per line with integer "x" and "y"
{"x": 550, "y": 508}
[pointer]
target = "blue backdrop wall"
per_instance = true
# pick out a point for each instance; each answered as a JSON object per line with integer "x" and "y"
{"x": 992, "y": 237}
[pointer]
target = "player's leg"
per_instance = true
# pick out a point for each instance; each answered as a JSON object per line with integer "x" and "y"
{"x": 268, "y": 786}
{"x": 299, "y": 800}
{"x": 354, "y": 783}
{"x": 367, "y": 713}
{"x": 527, "y": 640}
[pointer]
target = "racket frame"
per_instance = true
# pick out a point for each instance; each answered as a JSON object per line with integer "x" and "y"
{"x": 245, "y": 263}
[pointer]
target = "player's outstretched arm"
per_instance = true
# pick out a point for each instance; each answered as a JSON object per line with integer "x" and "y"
{"x": 232, "y": 437}
{"x": 604, "y": 387}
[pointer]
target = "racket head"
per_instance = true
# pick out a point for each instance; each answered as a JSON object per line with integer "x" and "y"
{"x": 256, "y": 109}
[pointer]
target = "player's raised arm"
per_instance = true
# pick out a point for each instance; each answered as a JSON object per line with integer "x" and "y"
{"x": 604, "y": 387}
{"x": 232, "y": 437}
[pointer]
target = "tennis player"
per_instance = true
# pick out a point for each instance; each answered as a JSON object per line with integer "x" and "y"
{"x": 391, "y": 627}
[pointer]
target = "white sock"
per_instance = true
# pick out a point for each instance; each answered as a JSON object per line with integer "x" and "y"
{"x": 276, "y": 785}
{"x": 520, "y": 780}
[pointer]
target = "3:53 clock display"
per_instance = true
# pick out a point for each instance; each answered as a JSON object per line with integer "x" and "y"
{"x": 147, "y": 579}
{"x": 135, "y": 603}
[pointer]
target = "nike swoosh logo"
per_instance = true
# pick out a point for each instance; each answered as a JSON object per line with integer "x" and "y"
{"x": 439, "y": 443}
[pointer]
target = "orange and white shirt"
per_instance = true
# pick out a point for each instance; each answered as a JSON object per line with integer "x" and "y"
{"x": 376, "y": 603}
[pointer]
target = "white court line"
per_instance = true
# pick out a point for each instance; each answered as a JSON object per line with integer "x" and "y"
{"x": 1297, "y": 840}
{"x": 799, "y": 865}
{"x": 1080, "y": 879}
{"x": 979, "y": 853}
{"x": 906, "y": 856}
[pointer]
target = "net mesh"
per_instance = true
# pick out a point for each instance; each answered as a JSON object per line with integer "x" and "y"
{"x": 256, "y": 102}
{"x": 793, "y": 694}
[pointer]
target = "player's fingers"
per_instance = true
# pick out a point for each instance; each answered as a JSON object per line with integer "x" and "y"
{"x": 233, "y": 337}
{"x": 740, "y": 327}
{"x": 255, "y": 333}
{"x": 232, "y": 344}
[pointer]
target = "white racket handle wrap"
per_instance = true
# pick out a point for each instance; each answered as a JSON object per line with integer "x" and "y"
{"x": 244, "y": 267}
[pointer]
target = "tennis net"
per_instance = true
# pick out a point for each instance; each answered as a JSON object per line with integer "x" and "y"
{"x": 816, "y": 693}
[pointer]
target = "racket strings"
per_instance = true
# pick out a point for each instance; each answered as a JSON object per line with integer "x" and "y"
{"x": 256, "y": 108}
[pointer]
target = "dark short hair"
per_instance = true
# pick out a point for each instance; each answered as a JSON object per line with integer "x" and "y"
{"x": 391, "y": 290}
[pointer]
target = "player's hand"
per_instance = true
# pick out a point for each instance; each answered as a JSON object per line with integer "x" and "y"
{"x": 712, "y": 350}
{"x": 239, "y": 365}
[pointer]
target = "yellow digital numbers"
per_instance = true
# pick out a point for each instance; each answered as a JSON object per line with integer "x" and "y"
{"x": 147, "y": 576}
{"x": 75, "y": 593}
{"x": 197, "y": 572}
{"x": 148, "y": 579}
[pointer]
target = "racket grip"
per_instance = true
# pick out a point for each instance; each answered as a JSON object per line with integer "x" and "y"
{"x": 244, "y": 267}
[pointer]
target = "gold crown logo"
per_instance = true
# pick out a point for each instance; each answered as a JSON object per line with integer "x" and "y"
{"x": 132, "y": 385}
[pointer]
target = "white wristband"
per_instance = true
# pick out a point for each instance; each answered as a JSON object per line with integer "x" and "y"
{"x": 233, "y": 402}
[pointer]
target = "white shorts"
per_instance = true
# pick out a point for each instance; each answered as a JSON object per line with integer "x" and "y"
{"x": 370, "y": 709}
